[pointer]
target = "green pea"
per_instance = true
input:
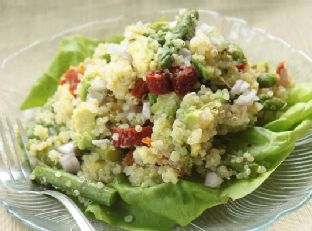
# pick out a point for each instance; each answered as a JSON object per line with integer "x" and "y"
{"x": 266, "y": 80}
{"x": 274, "y": 104}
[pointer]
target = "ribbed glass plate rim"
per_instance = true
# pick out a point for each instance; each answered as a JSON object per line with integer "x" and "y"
{"x": 74, "y": 29}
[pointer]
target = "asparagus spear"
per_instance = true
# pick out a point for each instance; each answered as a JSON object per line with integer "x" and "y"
{"x": 185, "y": 27}
{"x": 166, "y": 58}
{"x": 71, "y": 183}
{"x": 185, "y": 30}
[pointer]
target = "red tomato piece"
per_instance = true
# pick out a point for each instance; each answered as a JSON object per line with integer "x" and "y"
{"x": 140, "y": 89}
{"x": 282, "y": 71}
{"x": 128, "y": 137}
{"x": 280, "y": 67}
{"x": 71, "y": 77}
{"x": 184, "y": 80}
{"x": 158, "y": 82}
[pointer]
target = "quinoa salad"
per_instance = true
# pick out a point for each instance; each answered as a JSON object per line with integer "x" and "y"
{"x": 168, "y": 117}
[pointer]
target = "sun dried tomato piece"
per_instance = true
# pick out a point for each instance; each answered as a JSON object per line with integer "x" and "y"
{"x": 184, "y": 80}
{"x": 72, "y": 78}
{"x": 158, "y": 82}
{"x": 128, "y": 159}
{"x": 180, "y": 79}
{"x": 128, "y": 137}
{"x": 242, "y": 67}
{"x": 140, "y": 89}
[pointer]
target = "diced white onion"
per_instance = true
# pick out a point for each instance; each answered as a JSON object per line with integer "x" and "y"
{"x": 67, "y": 148}
{"x": 146, "y": 111}
{"x": 97, "y": 85}
{"x": 186, "y": 53}
{"x": 70, "y": 163}
{"x": 30, "y": 114}
{"x": 95, "y": 95}
{"x": 119, "y": 50}
{"x": 239, "y": 87}
{"x": 247, "y": 99}
{"x": 101, "y": 143}
{"x": 213, "y": 180}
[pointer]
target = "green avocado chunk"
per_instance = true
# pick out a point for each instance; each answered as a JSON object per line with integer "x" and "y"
{"x": 111, "y": 153}
{"x": 166, "y": 104}
{"x": 83, "y": 89}
{"x": 84, "y": 124}
{"x": 205, "y": 72}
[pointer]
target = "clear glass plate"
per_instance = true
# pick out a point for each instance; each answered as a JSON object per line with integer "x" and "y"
{"x": 288, "y": 187}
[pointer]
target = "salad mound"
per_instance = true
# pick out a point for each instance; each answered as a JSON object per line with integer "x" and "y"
{"x": 170, "y": 116}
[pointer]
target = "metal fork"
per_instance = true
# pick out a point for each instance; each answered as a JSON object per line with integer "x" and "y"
{"x": 15, "y": 173}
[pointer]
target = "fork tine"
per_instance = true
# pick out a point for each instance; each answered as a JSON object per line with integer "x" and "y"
{"x": 24, "y": 139}
{"x": 16, "y": 152}
{"x": 5, "y": 172}
{"x": 5, "y": 151}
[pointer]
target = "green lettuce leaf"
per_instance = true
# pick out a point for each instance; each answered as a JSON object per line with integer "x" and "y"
{"x": 142, "y": 220}
{"x": 268, "y": 148}
{"x": 301, "y": 92}
{"x": 299, "y": 108}
{"x": 159, "y": 207}
{"x": 183, "y": 202}
{"x": 292, "y": 117}
{"x": 115, "y": 38}
{"x": 71, "y": 51}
